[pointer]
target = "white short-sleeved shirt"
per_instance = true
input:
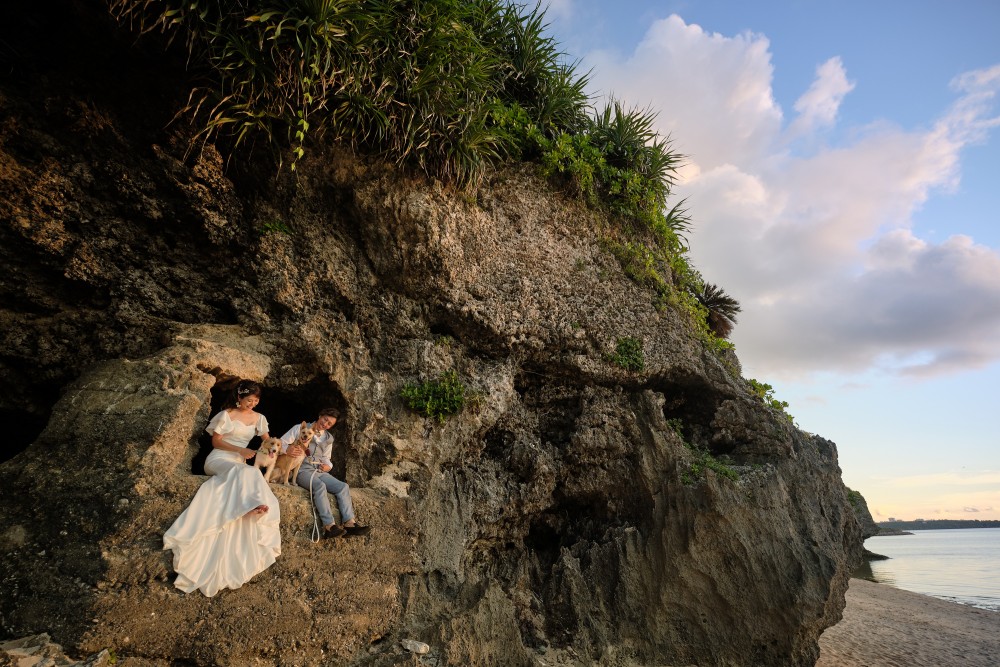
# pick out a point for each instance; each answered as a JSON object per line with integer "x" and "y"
{"x": 321, "y": 446}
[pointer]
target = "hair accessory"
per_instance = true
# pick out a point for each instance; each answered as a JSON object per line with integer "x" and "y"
{"x": 242, "y": 391}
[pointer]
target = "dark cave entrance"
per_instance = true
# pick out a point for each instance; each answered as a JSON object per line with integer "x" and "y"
{"x": 284, "y": 407}
{"x": 23, "y": 428}
{"x": 25, "y": 416}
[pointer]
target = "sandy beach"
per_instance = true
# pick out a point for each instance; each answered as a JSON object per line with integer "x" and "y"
{"x": 887, "y": 627}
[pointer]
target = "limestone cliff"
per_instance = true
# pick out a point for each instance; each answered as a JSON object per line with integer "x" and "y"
{"x": 554, "y": 521}
{"x": 863, "y": 515}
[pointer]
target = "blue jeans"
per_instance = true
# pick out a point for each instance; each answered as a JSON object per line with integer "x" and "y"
{"x": 321, "y": 483}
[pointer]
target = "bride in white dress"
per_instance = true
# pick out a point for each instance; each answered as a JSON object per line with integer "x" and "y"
{"x": 229, "y": 532}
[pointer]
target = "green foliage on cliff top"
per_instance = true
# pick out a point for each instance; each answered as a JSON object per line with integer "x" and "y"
{"x": 450, "y": 87}
{"x": 417, "y": 81}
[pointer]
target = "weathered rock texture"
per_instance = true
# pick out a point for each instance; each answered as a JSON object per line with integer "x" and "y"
{"x": 548, "y": 523}
{"x": 863, "y": 515}
{"x": 41, "y": 651}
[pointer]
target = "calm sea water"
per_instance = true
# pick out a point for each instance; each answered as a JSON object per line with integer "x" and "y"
{"x": 960, "y": 565}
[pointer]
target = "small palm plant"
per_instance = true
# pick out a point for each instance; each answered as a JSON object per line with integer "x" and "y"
{"x": 533, "y": 73}
{"x": 640, "y": 168}
{"x": 678, "y": 221}
{"x": 628, "y": 140}
{"x": 722, "y": 309}
{"x": 267, "y": 70}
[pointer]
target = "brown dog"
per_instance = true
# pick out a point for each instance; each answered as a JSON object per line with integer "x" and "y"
{"x": 267, "y": 456}
{"x": 288, "y": 465}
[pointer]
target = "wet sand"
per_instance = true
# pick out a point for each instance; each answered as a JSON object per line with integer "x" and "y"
{"x": 887, "y": 627}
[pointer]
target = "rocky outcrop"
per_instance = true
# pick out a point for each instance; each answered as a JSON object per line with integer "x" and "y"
{"x": 559, "y": 519}
{"x": 41, "y": 651}
{"x": 863, "y": 515}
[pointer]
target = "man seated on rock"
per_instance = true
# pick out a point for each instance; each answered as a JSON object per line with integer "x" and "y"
{"x": 315, "y": 476}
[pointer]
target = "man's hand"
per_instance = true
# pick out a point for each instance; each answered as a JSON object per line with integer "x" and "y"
{"x": 324, "y": 468}
{"x": 295, "y": 450}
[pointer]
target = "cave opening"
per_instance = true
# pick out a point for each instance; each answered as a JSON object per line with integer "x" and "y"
{"x": 690, "y": 406}
{"x": 23, "y": 428}
{"x": 284, "y": 407}
{"x": 26, "y": 411}
{"x": 443, "y": 329}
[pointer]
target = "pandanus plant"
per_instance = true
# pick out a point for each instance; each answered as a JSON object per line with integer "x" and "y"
{"x": 722, "y": 309}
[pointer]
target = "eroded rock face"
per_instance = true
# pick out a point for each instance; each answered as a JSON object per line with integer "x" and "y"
{"x": 863, "y": 515}
{"x": 556, "y": 518}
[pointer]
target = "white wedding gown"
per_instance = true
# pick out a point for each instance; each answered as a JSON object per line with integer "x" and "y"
{"x": 215, "y": 544}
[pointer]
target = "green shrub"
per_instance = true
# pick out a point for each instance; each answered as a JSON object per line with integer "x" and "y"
{"x": 677, "y": 426}
{"x": 574, "y": 163}
{"x": 437, "y": 398}
{"x": 628, "y": 354}
{"x": 268, "y": 69}
{"x": 615, "y": 161}
{"x": 276, "y": 226}
{"x": 641, "y": 264}
{"x": 719, "y": 346}
{"x": 416, "y": 81}
{"x": 766, "y": 393}
{"x": 531, "y": 70}
{"x": 639, "y": 168}
{"x": 705, "y": 461}
{"x": 444, "y": 340}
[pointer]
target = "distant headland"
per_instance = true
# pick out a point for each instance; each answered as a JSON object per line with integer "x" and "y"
{"x": 935, "y": 524}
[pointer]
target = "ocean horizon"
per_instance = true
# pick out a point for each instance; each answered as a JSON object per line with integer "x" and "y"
{"x": 955, "y": 564}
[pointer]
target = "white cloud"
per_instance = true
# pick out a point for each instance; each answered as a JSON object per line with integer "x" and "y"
{"x": 818, "y": 106}
{"x": 989, "y": 479}
{"x": 815, "y": 240}
{"x": 978, "y": 91}
{"x": 713, "y": 92}
{"x": 559, "y": 9}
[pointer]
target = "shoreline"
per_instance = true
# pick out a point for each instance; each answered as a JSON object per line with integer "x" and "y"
{"x": 883, "y": 625}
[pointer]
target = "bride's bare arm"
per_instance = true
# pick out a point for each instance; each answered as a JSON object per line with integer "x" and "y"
{"x": 219, "y": 443}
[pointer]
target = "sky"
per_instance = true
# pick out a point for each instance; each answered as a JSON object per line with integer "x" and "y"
{"x": 842, "y": 173}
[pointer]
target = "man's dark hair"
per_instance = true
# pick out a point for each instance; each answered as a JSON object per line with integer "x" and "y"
{"x": 330, "y": 412}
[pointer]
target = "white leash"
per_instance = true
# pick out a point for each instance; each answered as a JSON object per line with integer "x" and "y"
{"x": 316, "y": 535}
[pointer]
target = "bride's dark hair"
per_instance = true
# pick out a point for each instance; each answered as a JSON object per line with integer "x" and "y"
{"x": 242, "y": 389}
